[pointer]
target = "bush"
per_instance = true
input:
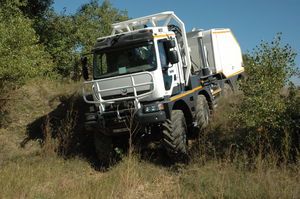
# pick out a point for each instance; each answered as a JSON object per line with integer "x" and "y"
{"x": 267, "y": 118}
{"x": 21, "y": 57}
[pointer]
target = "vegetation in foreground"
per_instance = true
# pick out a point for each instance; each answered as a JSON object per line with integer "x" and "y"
{"x": 37, "y": 176}
{"x": 33, "y": 167}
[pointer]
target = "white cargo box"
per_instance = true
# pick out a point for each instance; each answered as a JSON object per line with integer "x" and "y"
{"x": 217, "y": 49}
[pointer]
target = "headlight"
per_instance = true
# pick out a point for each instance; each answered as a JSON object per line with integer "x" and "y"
{"x": 153, "y": 108}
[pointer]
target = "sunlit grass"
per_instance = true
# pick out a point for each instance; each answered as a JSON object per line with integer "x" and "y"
{"x": 32, "y": 172}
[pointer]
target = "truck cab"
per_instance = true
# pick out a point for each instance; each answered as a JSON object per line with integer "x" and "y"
{"x": 143, "y": 64}
{"x": 137, "y": 69}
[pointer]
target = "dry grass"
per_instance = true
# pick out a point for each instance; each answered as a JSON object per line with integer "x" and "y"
{"x": 226, "y": 179}
{"x": 38, "y": 176}
{"x": 29, "y": 172}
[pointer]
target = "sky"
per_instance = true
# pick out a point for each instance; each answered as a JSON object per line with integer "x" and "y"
{"x": 250, "y": 20}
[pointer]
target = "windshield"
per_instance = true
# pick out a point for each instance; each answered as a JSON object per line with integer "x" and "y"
{"x": 124, "y": 61}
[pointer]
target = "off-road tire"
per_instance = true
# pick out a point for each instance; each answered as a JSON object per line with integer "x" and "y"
{"x": 104, "y": 148}
{"x": 174, "y": 136}
{"x": 227, "y": 90}
{"x": 202, "y": 112}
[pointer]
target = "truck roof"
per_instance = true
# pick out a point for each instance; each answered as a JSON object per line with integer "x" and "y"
{"x": 154, "y": 30}
{"x": 156, "y": 20}
{"x": 139, "y": 23}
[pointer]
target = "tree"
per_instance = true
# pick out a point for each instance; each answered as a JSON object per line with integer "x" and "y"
{"x": 59, "y": 38}
{"x": 66, "y": 37}
{"x": 20, "y": 55}
{"x": 93, "y": 20}
{"x": 266, "y": 115}
{"x": 35, "y": 8}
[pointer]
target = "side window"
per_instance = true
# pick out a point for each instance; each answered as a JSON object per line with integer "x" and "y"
{"x": 162, "y": 54}
{"x": 164, "y": 65}
{"x": 96, "y": 66}
{"x": 100, "y": 65}
{"x": 103, "y": 64}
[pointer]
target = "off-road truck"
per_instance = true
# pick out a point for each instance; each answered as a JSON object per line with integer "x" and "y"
{"x": 165, "y": 79}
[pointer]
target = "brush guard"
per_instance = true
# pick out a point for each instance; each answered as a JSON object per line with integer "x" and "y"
{"x": 93, "y": 88}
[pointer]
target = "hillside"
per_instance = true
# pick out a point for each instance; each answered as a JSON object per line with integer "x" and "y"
{"x": 36, "y": 166}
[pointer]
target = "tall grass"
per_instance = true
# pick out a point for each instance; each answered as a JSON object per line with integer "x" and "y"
{"x": 219, "y": 168}
{"x": 37, "y": 176}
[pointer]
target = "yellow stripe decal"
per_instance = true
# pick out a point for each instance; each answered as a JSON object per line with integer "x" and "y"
{"x": 195, "y": 89}
{"x": 215, "y": 92}
{"x": 235, "y": 73}
{"x": 179, "y": 96}
{"x": 226, "y": 31}
{"x": 156, "y": 36}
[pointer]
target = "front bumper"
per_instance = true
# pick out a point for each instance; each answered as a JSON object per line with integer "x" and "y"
{"x": 150, "y": 118}
{"x": 115, "y": 122}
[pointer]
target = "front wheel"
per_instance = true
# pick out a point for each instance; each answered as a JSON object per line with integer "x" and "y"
{"x": 104, "y": 148}
{"x": 174, "y": 136}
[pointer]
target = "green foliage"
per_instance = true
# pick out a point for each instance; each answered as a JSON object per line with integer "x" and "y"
{"x": 93, "y": 20}
{"x": 66, "y": 37}
{"x": 63, "y": 37}
{"x": 38, "y": 11}
{"x": 35, "y": 8}
{"x": 59, "y": 38}
{"x": 35, "y": 41}
{"x": 266, "y": 115}
{"x": 21, "y": 57}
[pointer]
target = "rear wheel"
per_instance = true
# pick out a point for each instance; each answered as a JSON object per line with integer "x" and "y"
{"x": 227, "y": 90}
{"x": 202, "y": 112}
{"x": 174, "y": 136}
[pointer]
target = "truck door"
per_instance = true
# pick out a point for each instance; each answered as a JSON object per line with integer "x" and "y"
{"x": 171, "y": 80}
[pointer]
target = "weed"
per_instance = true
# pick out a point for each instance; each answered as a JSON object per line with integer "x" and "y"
{"x": 48, "y": 144}
{"x": 66, "y": 130}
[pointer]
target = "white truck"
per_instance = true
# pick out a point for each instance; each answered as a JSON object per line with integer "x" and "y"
{"x": 169, "y": 78}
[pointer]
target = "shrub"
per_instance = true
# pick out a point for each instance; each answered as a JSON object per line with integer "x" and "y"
{"x": 267, "y": 118}
{"x": 21, "y": 57}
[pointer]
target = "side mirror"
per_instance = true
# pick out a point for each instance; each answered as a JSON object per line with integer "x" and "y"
{"x": 170, "y": 44}
{"x": 173, "y": 57}
{"x": 85, "y": 72}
